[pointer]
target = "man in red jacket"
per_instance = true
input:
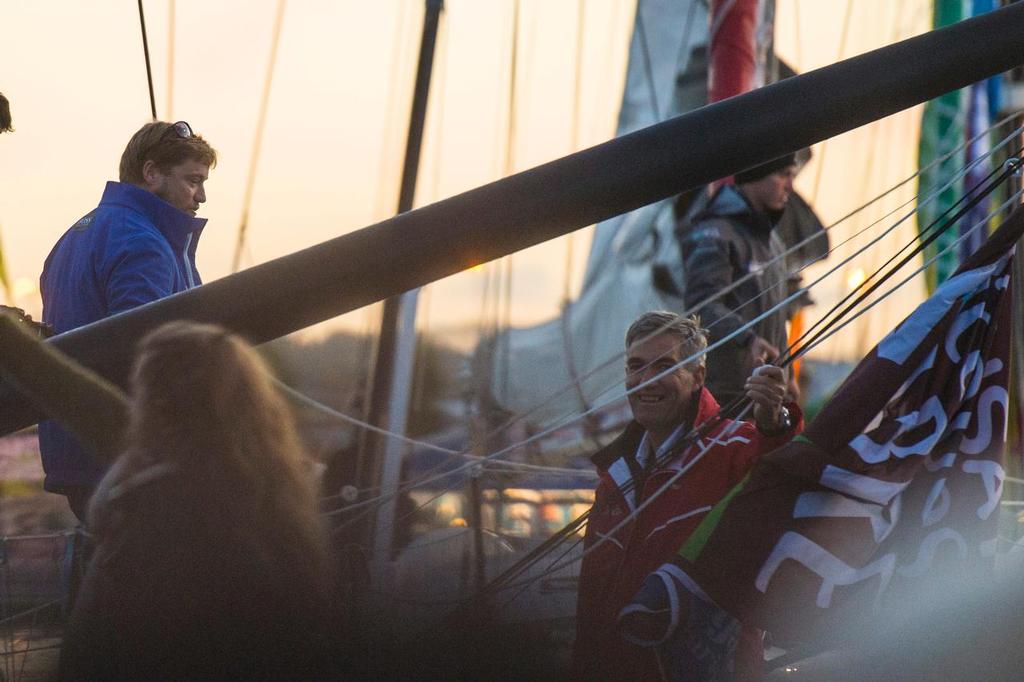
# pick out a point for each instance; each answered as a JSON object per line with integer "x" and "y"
{"x": 639, "y": 469}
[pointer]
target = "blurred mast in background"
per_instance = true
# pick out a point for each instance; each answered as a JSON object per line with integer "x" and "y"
{"x": 380, "y": 460}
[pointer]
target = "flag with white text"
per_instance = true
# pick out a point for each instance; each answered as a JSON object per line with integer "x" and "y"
{"x": 897, "y": 479}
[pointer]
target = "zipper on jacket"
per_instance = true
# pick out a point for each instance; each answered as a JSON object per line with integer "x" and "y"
{"x": 189, "y": 278}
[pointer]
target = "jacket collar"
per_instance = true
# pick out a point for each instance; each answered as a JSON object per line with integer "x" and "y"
{"x": 729, "y": 202}
{"x": 175, "y": 225}
{"x": 629, "y": 440}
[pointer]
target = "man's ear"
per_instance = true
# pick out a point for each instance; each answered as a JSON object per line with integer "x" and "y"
{"x": 151, "y": 174}
{"x": 699, "y": 375}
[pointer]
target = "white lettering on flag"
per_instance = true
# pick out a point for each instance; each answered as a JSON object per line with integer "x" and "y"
{"x": 926, "y": 552}
{"x": 818, "y": 504}
{"x": 932, "y": 514}
{"x": 832, "y": 570}
{"x": 992, "y": 476}
{"x": 903, "y": 340}
{"x": 865, "y": 487}
{"x": 873, "y": 453}
{"x": 992, "y": 395}
{"x": 962, "y": 322}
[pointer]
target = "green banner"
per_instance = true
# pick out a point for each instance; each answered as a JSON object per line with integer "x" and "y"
{"x": 942, "y": 130}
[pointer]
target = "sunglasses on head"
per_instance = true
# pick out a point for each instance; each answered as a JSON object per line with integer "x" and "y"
{"x": 182, "y": 129}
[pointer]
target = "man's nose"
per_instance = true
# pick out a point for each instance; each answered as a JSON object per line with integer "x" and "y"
{"x": 201, "y": 195}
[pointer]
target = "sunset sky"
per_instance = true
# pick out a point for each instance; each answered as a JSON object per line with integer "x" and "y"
{"x": 338, "y": 111}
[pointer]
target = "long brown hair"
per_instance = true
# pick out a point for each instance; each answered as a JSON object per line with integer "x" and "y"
{"x": 202, "y": 404}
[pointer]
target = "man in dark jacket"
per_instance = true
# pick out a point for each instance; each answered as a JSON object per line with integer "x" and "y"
{"x": 730, "y": 240}
{"x": 137, "y": 246}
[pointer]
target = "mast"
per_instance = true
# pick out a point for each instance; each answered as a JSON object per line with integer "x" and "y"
{"x": 380, "y": 460}
{"x": 483, "y": 224}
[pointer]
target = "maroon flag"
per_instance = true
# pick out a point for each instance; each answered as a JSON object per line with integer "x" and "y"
{"x": 897, "y": 480}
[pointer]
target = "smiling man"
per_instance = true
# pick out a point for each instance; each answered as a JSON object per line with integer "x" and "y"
{"x": 137, "y": 246}
{"x": 667, "y": 398}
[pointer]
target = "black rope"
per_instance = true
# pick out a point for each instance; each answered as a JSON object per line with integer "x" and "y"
{"x": 934, "y": 230}
{"x": 149, "y": 70}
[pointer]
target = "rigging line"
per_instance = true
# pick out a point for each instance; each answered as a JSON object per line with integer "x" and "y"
{"x": 796, "y": 34}
{"x": 170, "y": 58}
{"x": 921, "y": 245}
{"x": 428, "y": 478}
{"x": 615, "y": 358}
{"x": 725, "y": 410}
{"x": 440, "y": 88}
{"x": 386, "y": 169}
{"x": 641, "y": 33}
{"x": 539, "y": 552}
{"x": 258, "y": 139}
{"x": 824, "y": 145}
{"x": 312, "y": 403}
{"x": 545, "y": 572}
{"x": 418, "y": 401}
{"x": 510, "y": 139}
{"x": 149, "y": 70}
{"x": 807, "y": 288}
{"x": 566, "y": 312}
{"x": 674, "y": 452}
{"x": 916, "y": 272}
{"x": 629, "y": 518}
{"x": 838, "y": 328}
{"x": 601, "y": 366}
{"x": 927, "y": 236}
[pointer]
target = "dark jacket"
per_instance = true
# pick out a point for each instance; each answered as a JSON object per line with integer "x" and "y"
{"x": 721, "y": 242}
{"x": 132, "y": 249}
{"x": 174, "y": 592}
{"x": 613, "y": 572}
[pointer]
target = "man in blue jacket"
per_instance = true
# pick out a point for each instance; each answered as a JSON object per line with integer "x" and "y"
{"x": 137, "y": 246}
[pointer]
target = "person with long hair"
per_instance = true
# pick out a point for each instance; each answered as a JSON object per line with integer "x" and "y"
{"x": 209, "y": 560}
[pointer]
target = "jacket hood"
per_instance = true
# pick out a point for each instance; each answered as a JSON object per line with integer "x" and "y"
{"x": 177, "y": 226}
{"x": 728, "y": 202}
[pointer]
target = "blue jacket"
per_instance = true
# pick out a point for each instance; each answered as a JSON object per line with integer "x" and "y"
{"x": 132, "y": 249}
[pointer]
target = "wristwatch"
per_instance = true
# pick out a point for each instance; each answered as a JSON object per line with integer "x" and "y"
{"x": 785, "y": 424}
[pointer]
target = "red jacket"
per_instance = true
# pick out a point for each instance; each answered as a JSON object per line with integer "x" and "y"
{"x": 612, "y": 574}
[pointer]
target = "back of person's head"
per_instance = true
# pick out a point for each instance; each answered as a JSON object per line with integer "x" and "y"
{"x": 202, "y": 402}
{"x": 166, "y": 145}
{"x": 6, "y": 124}
{"x": 687, "y": 330}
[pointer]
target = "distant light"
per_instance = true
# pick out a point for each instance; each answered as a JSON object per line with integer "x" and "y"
{"x": 855, "y": 278}
{"x": 791, "y": 668}
{"x": 458, "y": 523}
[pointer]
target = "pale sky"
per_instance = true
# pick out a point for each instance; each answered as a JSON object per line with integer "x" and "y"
{"x": 336, "y": 125}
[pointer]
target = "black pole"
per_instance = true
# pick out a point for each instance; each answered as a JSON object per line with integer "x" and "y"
{"x": 421, "y": 246}
{"x": 369, "y": 461}
{"x": 149, "y": 70}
